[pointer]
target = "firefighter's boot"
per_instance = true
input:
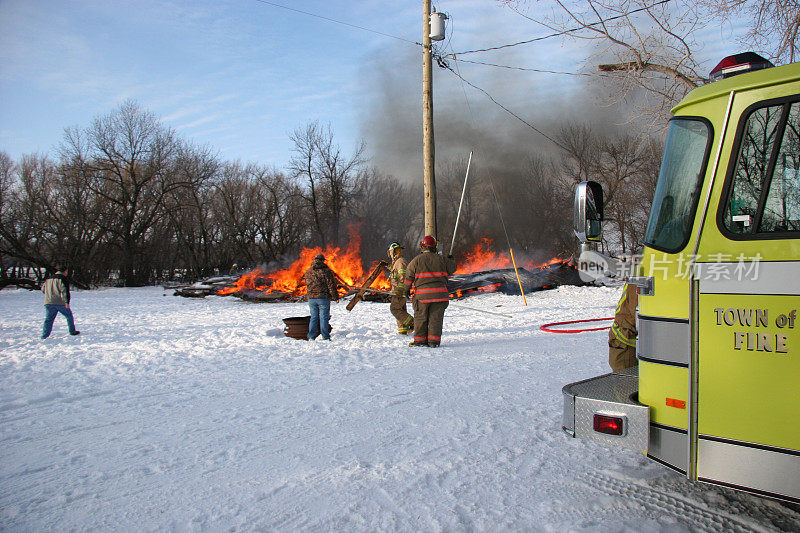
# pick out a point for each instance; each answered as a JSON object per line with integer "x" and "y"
{"x": 407, "y": 326}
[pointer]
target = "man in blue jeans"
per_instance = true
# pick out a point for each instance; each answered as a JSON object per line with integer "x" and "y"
{"x": 322, "y": 288}
{"x": 56, "y": 300}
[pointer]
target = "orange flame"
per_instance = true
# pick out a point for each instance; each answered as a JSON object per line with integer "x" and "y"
{"x": 481, "y": 258}
{"x": 533, "y": 265}
{"x": 253, "y": 280}
{"x": 346, "y": 264}
{"x": 466, "y": 292}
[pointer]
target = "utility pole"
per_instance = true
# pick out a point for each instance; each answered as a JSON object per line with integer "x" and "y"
{"x": 427, "y": 123}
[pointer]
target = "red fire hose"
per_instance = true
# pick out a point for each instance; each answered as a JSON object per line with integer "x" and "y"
{"x": 546, "y": 327}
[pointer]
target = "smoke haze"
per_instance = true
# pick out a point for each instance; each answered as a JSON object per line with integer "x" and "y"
{"x": 466, "y": 120}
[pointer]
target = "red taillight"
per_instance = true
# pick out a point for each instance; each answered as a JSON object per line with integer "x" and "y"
{"x": 610, "y": 425}
{"x": 739, "y": 64}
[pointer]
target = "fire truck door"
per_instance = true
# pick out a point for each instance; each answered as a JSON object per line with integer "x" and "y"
{"x": 748, "y": 310}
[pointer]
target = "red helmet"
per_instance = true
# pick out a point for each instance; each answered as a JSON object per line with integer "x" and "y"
{"x": 428, "y": 242}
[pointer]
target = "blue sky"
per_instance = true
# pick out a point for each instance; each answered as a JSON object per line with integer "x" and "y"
{"x": 241, "y": 75}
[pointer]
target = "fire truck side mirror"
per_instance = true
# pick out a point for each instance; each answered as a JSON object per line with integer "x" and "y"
{"x": 588, "y": 211}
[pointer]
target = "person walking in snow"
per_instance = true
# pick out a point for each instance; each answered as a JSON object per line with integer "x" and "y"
{"x": 397, "y": 278}
{"x": 428, "y": 273}
{"x": 56, "y": 300}
{"x": 622, "y": 337}
{"x": 322, "y": 288}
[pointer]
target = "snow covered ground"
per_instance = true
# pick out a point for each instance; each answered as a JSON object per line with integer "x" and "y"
{"x": 199, "y": 415}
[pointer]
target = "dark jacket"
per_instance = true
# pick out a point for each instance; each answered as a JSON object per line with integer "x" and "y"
{"x": 56, "y": 290}
{"x": 428, "y": 272}
{"x": 320, "y": 281}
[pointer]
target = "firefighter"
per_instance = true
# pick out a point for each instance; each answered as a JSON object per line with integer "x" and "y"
{"x": 622, "y": 337}
{"x": 428, "y": 273}
{"x": 397, "y": 277}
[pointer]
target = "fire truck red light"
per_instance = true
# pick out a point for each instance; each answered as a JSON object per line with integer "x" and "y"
{"x": 610, "y": 425}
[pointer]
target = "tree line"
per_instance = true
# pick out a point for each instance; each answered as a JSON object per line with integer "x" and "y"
{"x": 126, "y": 201}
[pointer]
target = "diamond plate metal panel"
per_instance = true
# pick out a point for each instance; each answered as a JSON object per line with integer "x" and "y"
{"x": 568, "y": 419}
{"x": 610, "y": 394}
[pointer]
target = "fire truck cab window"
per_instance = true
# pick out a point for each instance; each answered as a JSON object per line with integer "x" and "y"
{"x": 782, "y": 209}
{"x": 678, "y": 188}
{"x": 764, "y": 195}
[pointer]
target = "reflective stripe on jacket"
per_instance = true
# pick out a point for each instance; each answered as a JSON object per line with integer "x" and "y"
{"x": 397, "y": 274}
{"x": 428, "y": 272}
{"x": 624, "y": 326}
{"x": 624, "y": 339}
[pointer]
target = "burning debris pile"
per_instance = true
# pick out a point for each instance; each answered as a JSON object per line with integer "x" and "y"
{"x": 485, "y": 271}
{"x": 481, "y": 271}
{"x": 547, "y": 276}
{"x": 287, "y": 284}
{"x": 204, "y": 288}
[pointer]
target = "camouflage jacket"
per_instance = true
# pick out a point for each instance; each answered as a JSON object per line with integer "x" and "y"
{"x": 320, "y": 281}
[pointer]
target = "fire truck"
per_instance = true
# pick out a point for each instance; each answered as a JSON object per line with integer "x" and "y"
{"x": 716, "y": 392}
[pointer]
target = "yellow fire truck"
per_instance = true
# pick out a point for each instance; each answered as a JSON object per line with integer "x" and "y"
{"x": 716, "y": 393}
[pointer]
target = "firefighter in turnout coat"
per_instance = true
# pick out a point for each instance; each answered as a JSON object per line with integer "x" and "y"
{"x": 428, "y": 273}
{"x": 397, "y": 277}
{"x": 622, "y": 337}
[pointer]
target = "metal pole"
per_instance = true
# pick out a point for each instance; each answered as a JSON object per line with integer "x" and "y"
{"x": 458, "y": 217}
{"x": 429, "y": 180}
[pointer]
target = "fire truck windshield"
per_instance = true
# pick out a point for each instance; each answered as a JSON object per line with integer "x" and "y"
{"x": 679, "y": 183}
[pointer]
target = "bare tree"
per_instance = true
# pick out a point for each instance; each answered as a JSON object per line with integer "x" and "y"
{"x": 651, "y": 45}
{"x": 283, "y": 223}
{"x": 236, "y": 209}
{"x": 774, "y": 29}
{"x": 537, "y": 210}
{"x": 387, "y": 211}
{"x": 329, "y": 177}
{"x": 23, "y": 233}
{"x": 640, "y": 44}
{"x": 74, "y": 213}
{"x": 188, "y": 207}
{"x": 129, "y": 158}
{"x": 627, "y": 168}
{"x": 259, "y": 214}
{"x": 7, "y": 170}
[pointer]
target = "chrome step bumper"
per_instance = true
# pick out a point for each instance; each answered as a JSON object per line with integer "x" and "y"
{"x": 614, "y": 395}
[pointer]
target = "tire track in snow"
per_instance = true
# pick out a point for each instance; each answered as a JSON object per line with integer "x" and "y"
{"x": 669, "y": 503}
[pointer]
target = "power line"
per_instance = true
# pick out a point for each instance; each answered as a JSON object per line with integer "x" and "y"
{"x": 603, "y": 21}
{"x": 621, "y": 75}
{"x": 504, "y": 108}
{"x": 337, "y": 21}
{"x": 522, "y": 68}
